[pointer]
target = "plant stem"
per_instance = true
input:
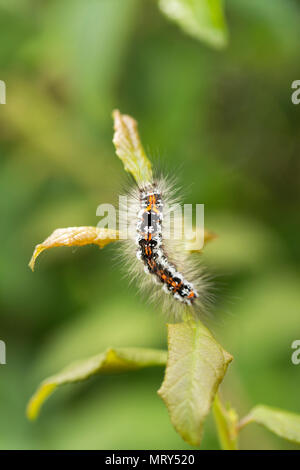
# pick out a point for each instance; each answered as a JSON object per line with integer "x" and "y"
{"x": 226, "y": 421}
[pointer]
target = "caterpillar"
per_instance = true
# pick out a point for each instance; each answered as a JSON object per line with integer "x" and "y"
{"x": 163, "y": 267}
{"x": 150, "y": 249}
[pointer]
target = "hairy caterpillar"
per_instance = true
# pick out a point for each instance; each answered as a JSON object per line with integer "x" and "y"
{"x": 163, "y": 267}
{"x": 150, "y": 249}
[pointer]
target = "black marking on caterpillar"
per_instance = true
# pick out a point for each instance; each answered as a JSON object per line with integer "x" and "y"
{"x": 150, "y": 249}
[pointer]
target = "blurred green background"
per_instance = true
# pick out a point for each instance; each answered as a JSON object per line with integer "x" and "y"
{"x": 223, "y": 121}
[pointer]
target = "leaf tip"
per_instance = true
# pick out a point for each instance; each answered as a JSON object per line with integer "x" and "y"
{"x": 228, "y": 358}
{"x": 31, "y": 264}
{"x": 35, "y": 254}
{"x": 116, "y": 114}
{"x": 37, "y": 400}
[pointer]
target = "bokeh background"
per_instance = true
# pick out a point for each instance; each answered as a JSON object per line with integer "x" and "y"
{"x": 223, "y": 121}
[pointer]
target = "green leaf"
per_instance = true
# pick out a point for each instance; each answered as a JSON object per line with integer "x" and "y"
{"x": 112, "y": 360}
{"x": 282, "y": 423}
{"x": 75, "y": 236}
{"x": 196, "y": 366}
{"x": 129, "y": 148}
{"x": 202, "y": 19}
